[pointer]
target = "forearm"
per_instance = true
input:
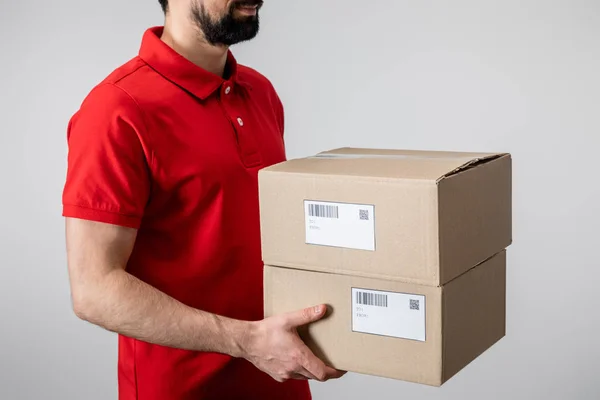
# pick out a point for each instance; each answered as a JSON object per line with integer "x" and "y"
{"x": 121, "y": 303}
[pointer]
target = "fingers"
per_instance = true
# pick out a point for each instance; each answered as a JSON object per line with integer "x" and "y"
{"x": 302, "y": 374}
{"x": 318, "y": 369}
{"x": 299, "y": 373}
{"x": 300, "y": 377}
{"x": 338, "y": 374}
{"x": 306, "y": 374}
{"x": 306, "y": 316}
{"x": 308, "y": 367}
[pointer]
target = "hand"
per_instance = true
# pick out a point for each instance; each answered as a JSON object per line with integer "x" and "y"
{"x": 275, "y": 347}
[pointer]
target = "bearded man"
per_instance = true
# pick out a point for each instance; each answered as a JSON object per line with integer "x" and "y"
{"x": 162, "y": 215}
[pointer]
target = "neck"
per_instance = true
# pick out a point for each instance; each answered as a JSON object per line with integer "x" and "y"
{"x": 184, "y": 37}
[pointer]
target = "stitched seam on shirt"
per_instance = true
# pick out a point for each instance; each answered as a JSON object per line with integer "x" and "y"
{"x": 130, "y": 72}
{"x": 102, "y": 211}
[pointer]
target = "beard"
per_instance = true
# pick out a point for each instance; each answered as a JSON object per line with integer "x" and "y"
{"x": 229, "y": 29}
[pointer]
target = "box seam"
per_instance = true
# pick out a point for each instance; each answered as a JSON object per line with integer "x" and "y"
{"x": 300, "y": 267}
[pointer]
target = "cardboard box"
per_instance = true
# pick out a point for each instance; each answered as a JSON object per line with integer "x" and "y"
{"x": 388, "y": 328}
{"x": 415, "y": 216}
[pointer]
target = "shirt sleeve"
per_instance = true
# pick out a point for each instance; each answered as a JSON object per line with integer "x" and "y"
{"x": 108, "y": 163}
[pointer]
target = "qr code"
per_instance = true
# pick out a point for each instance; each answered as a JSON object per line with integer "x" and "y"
{"x": 364, "y": 215}
{"x": 414, "y": 304}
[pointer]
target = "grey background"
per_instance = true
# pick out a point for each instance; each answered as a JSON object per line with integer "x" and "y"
{"x": 512, "y": 75}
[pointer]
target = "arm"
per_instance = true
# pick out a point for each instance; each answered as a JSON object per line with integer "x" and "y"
{"x": 106, "y": 295}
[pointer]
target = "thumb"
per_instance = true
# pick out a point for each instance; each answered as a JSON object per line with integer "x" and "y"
{"x": 306, "y": 315}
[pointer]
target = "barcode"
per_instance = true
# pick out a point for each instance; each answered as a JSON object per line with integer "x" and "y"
{"x": 364, "y": 215}
{"x": 323, "y": 211}
{"x": 414, "y": 304}
{"x": 372, "y": 299}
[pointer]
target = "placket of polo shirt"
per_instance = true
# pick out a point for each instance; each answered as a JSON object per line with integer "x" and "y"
{"x": 232, "y": 98}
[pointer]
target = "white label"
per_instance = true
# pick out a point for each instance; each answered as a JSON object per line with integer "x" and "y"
{"x": 340, "y": 225}
{"x": 399, "y": 315}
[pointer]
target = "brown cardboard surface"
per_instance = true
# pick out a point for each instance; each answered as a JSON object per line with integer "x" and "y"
{"x": 436, "y": 214}
{"x": 462, "y": 320}
{"x": 474, "y": 313}
{"x": 380, "y": 163}
{"x": 474, "y": 216}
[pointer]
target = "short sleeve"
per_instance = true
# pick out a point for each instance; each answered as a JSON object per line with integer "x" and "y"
{"x": 108, "y": 177}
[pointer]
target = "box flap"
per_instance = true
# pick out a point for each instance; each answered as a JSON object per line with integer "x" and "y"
{"x": 385, "y": 163}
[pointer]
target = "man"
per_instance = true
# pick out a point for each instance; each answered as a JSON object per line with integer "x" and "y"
{"x": 161, "y": 203}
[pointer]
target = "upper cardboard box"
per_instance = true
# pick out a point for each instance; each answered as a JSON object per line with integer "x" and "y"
{"x": 416, "y": 216}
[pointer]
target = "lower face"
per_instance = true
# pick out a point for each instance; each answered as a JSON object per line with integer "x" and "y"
{"x": 229, "y": 23}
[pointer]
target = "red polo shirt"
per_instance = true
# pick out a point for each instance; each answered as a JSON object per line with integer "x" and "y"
{"x": 173, "y": 150}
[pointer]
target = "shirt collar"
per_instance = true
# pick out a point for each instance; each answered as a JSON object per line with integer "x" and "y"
{"x": 179, "y": 70}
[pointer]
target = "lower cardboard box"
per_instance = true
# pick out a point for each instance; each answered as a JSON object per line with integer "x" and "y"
{"x": 416, "y": 333}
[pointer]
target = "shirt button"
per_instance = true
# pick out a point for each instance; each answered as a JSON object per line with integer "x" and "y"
{"x": 227, "y": 89}
{"x": 240, "y": 121}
